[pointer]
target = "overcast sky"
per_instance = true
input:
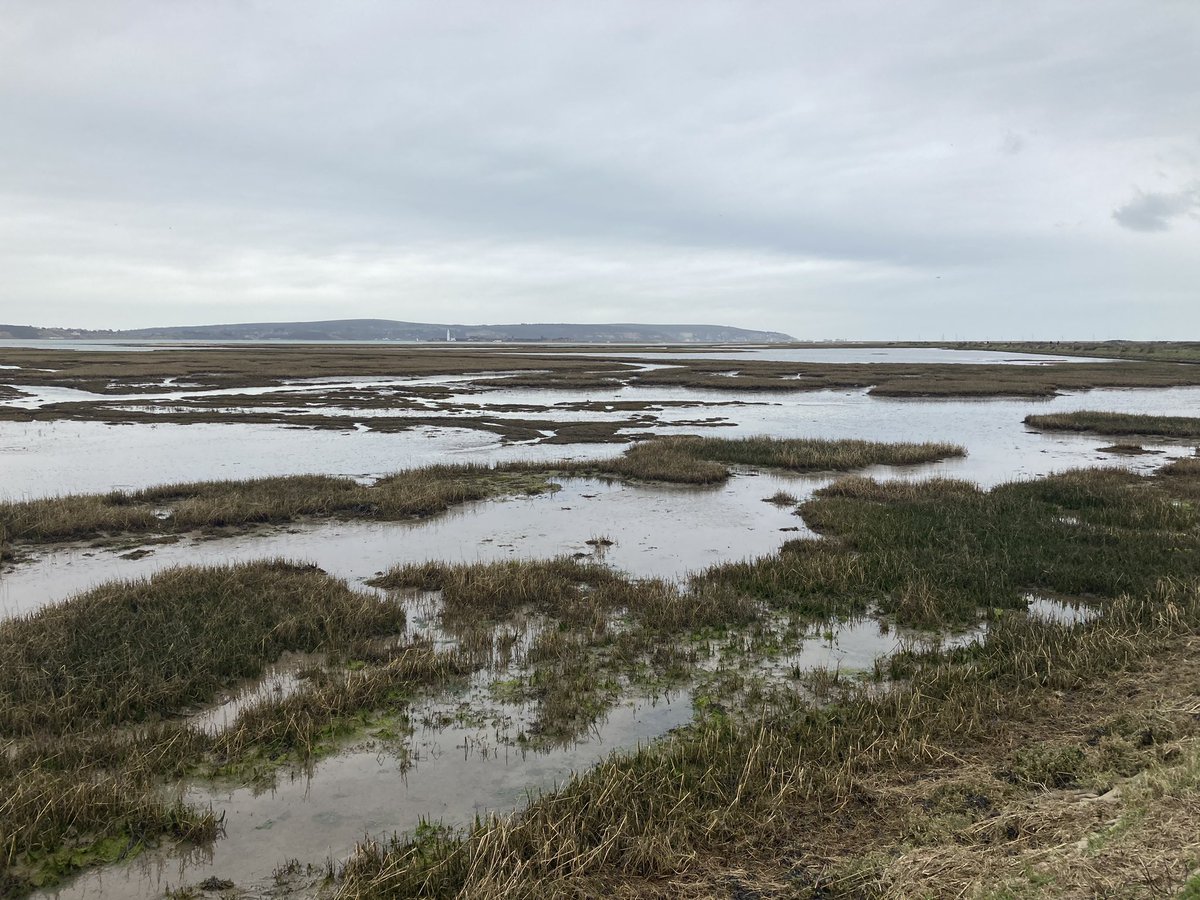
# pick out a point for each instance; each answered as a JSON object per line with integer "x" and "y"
{"x": 844, "y": 169}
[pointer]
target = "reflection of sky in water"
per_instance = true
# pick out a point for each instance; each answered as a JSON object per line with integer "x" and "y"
{"x": 45, "y": 458}
{"x": 457, "y": 772}
{"x": 659, "y": 530}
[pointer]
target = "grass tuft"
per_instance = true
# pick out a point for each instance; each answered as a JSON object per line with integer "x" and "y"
{"x": 1118, "y": 423}
{"x": 129, "y": 651}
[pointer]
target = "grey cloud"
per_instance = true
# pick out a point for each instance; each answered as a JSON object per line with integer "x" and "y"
{"x": 164, "y": 163}
{"x": 1154, "y": 211}
{"x": 1012, "y": 143}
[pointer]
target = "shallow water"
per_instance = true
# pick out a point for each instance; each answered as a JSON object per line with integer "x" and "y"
{"x": 853, "y": 646}
{"x": 280, "y": 679}
{"x": 453, "y": 774}
{"x": 658, "y": 530}
{"x": 999, "y": 445}
{"x": 1063, "y": 611}
{"x": 47, "y": 458}
{"x": 43, "y": 459}
{"x": 661, "y": 530}
{"x": 41, "y": 395}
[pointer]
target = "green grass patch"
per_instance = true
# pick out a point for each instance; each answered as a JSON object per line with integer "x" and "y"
{"x": 129, "y": 651}
{"x": 937, "y": 552}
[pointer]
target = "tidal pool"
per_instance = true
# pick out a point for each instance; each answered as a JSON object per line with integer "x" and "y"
{"x": 657, "y": 530}
{"x": 42, "y": 459}
{"x": 451, "y": 773}
{"x": 455, "y": 770}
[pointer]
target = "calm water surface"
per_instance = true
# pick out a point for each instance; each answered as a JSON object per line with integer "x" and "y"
{"x": 665, "y": 531}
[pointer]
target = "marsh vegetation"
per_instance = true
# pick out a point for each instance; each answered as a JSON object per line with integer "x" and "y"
{"x": 975, "y": 754}
{"x": 949, "y": 766}
{"x": 233, "y": 505}
{"x": 388, "y": 388}
{"x": 1160, "y": 351}
{"x": 100, "y": 688}
{"x": 1184, "y": 427}
{"x": 982, "y": 738}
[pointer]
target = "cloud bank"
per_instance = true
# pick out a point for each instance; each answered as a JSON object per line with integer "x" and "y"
{"x": 863, "y": 169}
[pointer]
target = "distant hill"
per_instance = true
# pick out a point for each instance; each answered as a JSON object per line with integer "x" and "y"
{"x": 387, "y": 330}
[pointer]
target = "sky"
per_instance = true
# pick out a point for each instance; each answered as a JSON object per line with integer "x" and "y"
{"x": 860, "y": 169}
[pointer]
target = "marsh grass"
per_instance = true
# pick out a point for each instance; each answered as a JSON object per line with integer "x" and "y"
{"x": 572, "y": 591}
{"x": 763, "y": 777}
{"x": 1118, "y": 424}
{"x": 418, "y": 492}
{"x": 1182, "y": 478}
{"x": 782, "y": 498}
{"x": 665, "y": 460}
{"x": 246, "y": 412}
{"x": 936, "y": 553}
{"x": 129, "y": 651}
{"x": 705, "y": 460}
{"x": 497, "y": 589}
{"x": 334, "y": 703}
{"x": 915, "y": 380}
{"x": 94, "y": 693}
{"x": 811, "y": 454}
{"x": 232, "y": 367}
{"x": 598, "y": 630}
{"x": 53, "y": 823}
{"x": 760, "y": 779}
{"x": 1160, "y": 351}
{"x": 223, "y": 504}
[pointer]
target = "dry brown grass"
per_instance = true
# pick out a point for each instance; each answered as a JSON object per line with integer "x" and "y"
{"x": 1125, "y": 822}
